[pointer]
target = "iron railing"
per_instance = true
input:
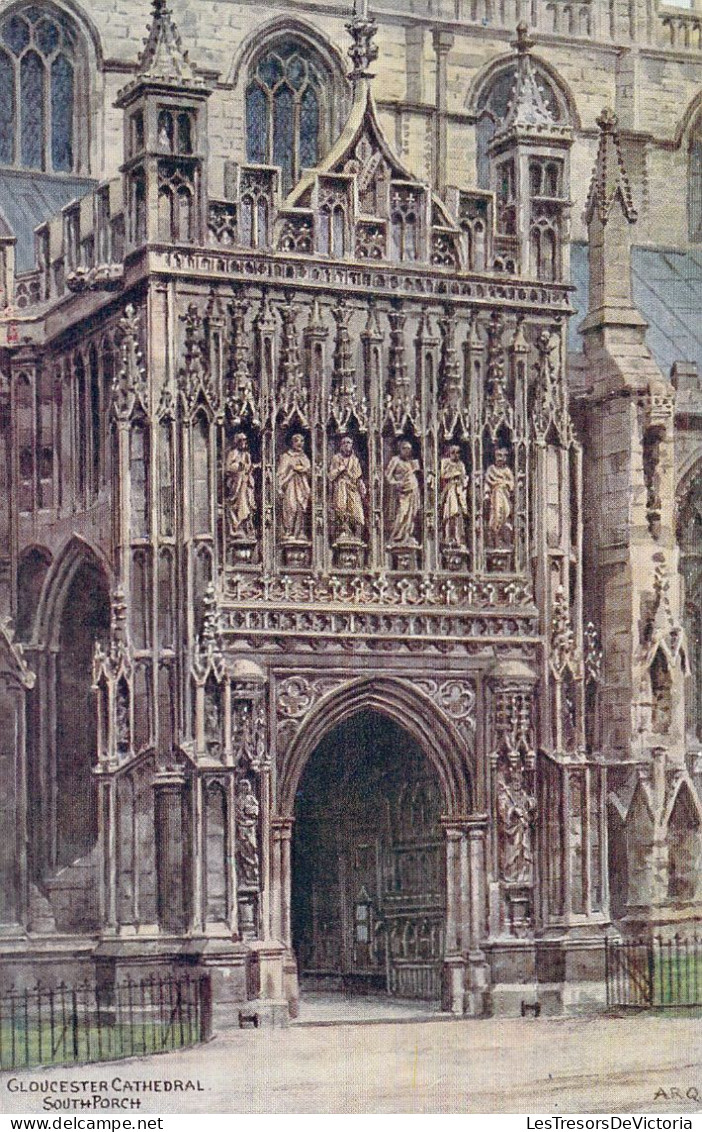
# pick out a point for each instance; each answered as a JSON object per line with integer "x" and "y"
{"x": 59, "y": 1025}
{"x": 655, "y": 972}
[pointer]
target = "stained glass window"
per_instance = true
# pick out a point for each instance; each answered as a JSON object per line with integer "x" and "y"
{"x": 32, "y": 104}
{"x": 62, "y": 115}
{"x": 38, "y": 63}
{"x": 284, "y": 122}
{"x": 7, "y": 109}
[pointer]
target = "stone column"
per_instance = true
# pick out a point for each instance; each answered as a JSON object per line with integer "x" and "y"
{"x": 443, "y": 42}
{"x": 453, "y": 972}
{"x": 478, "y": 974}
{"x": 281, "y": 881}
{"x": 198, "y": 864}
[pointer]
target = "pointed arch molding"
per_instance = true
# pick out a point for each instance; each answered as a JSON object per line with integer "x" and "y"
{"x": 77, "y": 14}
{"x": 683, "y": 789}
{"x": 286, "y": 27}
{"x": 691, "y": 121}
{"x": 76, "y": 553}
{"x": 400, "y": 702}
{"x": 487, "y": 75}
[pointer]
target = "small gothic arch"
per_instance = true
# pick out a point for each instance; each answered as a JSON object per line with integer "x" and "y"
{"x": 639, "y": 847}
{"x": 683, "y": 826}
{"x": 409, "y": 708}
{"x": 74, "y": 554}
{"x": 32, "y": 569}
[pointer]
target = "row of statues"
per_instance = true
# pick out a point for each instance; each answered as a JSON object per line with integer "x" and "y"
{"x": 348, "y": 494}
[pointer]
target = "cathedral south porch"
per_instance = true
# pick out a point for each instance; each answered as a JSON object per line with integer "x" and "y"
{"x": 346, "y": 703}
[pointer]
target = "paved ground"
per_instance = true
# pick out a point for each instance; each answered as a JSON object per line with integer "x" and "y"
{"x": 631, "y": 1064}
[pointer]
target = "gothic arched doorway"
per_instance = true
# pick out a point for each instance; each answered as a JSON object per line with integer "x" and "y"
{"x": 84, "y": 620}
{"x": 368, "y": 900}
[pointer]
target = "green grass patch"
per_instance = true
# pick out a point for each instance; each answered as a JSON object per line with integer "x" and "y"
{"x": 23, "y": 1046}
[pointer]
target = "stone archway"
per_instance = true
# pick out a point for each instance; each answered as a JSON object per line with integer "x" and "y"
{"x": 368, "y": 892}
{"x": 401, "y": 710}
{"x": 73, "y": 612}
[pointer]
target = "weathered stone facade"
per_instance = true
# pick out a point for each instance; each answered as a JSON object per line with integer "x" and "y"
{"x": 294, "y": 445}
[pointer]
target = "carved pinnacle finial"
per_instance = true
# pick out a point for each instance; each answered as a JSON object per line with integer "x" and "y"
{"x": 163, "y": 55}
{"x": 523, "y": 43}
{"x": 610, "y": 180}
{"x": 363, "y": 52}
{"x": 607, "y": 120}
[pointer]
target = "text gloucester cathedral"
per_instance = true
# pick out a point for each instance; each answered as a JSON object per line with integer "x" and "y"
{"x": 350, "y": 522}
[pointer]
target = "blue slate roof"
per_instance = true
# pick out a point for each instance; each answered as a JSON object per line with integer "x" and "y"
{"x": 28, "y": 199}
{"x": 667, "y": 288}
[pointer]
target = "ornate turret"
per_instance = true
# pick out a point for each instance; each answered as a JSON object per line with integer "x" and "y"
{"x": 165, "y": 139}
{"x": 530, "y": 172}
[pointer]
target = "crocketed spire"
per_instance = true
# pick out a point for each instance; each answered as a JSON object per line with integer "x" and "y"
{"x": 163, "y": 56}
{"x": 528, "y": 111}
{"x": 610, "y": 180}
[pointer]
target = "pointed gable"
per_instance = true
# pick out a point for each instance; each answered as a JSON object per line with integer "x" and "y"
{"x": 361, "y": 199}
{"x": 163, "y": 56}
{"x": 163, "y": 61}
{"x": 528, "y": 111}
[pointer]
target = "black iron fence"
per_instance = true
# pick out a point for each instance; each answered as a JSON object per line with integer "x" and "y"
{"x": 59, "y": 1025}
{"x": 654, "y": 972}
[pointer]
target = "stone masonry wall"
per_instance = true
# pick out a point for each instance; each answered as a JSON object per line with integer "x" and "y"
{"x": 652, "y": 89}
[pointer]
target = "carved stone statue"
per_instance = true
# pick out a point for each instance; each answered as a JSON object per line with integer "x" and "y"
{"x": 240, "y": 489}
{"x": 247, "y": 834}
{"x": 453, "y": 500}
{"x": 249, "y": 736}
{"x": 404, "y": 496}
{"x": 499, "y": 501}
{"x": 515, "y": 816}
{"x": 294, "y": 489}
{"x": 348, "y": 492}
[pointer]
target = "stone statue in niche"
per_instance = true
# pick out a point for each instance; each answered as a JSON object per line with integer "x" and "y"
{"x": 516, "y": 809}
{"x": 453, "y": 500}
{"x": 240, "y": 490}
{"x": 499, "y": 510}
{"x": 294, "y": 489}
{"x": 247, "y": 834}
{"x": 404, "y": 497}
{"x": 249, "y": 736}
{"x": 348, "y": 493}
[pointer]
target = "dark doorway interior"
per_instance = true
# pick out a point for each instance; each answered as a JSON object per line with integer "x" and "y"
{"x": 368, "y": 896}
{"x": 85, "y": 619}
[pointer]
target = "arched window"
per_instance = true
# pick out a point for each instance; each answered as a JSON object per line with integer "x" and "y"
{"x": 39, "y": 81}
{"x": 286, "y": 117}
{"x": 694, "y": 186}
{"x": 491, "y": 108}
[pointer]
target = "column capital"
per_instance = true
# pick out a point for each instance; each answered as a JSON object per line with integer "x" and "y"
{"x": 443, "y": 41}
{"x": 281, "y": 827}
{"x": 455, "y": 825}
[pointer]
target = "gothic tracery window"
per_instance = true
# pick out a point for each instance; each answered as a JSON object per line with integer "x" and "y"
{"x": 286, "y": 121}
{"x": 39, "y": 81}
